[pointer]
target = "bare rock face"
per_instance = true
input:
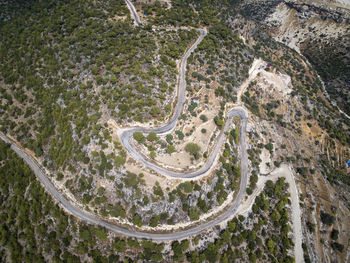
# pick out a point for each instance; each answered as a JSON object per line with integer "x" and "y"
{"x": 193, "y": 199}
{"x": 325, "y": 12}
{"x": 319, "y": 30}
{"x": 260, "y": 10}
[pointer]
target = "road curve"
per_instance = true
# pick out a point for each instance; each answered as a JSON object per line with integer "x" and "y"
{"x": 125, "y": 136}
{"x": 229, "y": 212}
{"x": 133, "y": 12}
{"x": 93, "y": 219}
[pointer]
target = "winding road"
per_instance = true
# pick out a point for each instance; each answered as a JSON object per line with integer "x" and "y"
{"x": 125, "y": 136}
{"x": 93, "y": 219}
{"x": 133, "y": 12}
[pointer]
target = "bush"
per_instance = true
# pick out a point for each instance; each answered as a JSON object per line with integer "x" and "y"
{"x": 138, "y": 136}
{"x": 327, "y": 219}
{"x": 219, "y": 122}
{"x": 59, "y": 176}
{"x": 137, "y": 220}
{"x": 249, "y": 191}
{"x": 180, "y": 134}
{"x": 119, "y": 160}
{"x": 310, "y": 226}
{"x": 157, "y": 190}
{"x": 169, "y": 138}
{"x": 337, "y": 246}
{"x": 119, "y": 245}
{"x": 334, "y": 234}
{"x": 170, "y": 149}
{"x": 193, "y": 213}
{"x": 130, "y": 180}
{"x": 202, "y": 205}
{"x": 154, "y": 221}
{"x": 152, "y": 136}
{"x": 117, "y": 211}
{"x": 153, "y": 154}
{"x": 155, "y": 111}
{"x": 187, "y": 187}
{"x": 193, "y": 149}
{"x": 203, "y": 118}
{"x": 203, "y": 130}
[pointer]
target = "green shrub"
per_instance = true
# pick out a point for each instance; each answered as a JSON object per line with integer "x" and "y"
{"x": 327, "y": 219}
{"x": 170, "y": 149}
{"x": 193, "y": 149}
{"x": 203, "y": 118}
{"x": 179, "y": 134}
{"x": 138, "y": 136}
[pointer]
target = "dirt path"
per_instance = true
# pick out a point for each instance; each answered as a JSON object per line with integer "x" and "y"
{"x": 231, "y": 210}
{"x": 257, "y": 66}
{"x": 286, "y": 172}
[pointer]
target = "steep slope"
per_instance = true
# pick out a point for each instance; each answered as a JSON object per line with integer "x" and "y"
{"x": 320, "y": 30}
{"x": 317, "y": 141}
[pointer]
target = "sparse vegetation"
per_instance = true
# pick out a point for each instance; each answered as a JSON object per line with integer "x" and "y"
{"x": 203, "y": 117}
{"x": 71, "y": 71}
{"x": 193, "y": 149}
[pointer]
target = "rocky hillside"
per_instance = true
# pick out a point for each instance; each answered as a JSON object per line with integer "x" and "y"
{"x": 318, "y": 30}
{"x": 72, "y": 73}
{"x": 308, "y": 41}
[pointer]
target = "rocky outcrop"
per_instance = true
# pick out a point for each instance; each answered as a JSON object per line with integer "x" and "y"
{"x": 339, "y": 15}
{"x": 259, "y": 10}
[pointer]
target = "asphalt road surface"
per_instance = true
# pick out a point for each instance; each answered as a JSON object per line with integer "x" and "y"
{"x": 125, "y": 136}
{"x": 133, "y": 12}
{"x": 93, "y": 219}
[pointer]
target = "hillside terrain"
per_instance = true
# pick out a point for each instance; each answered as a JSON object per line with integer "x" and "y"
{"x": 217, "y": 129}
{"x": 319, "y": 147}
{"x": 318, "y": 30}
